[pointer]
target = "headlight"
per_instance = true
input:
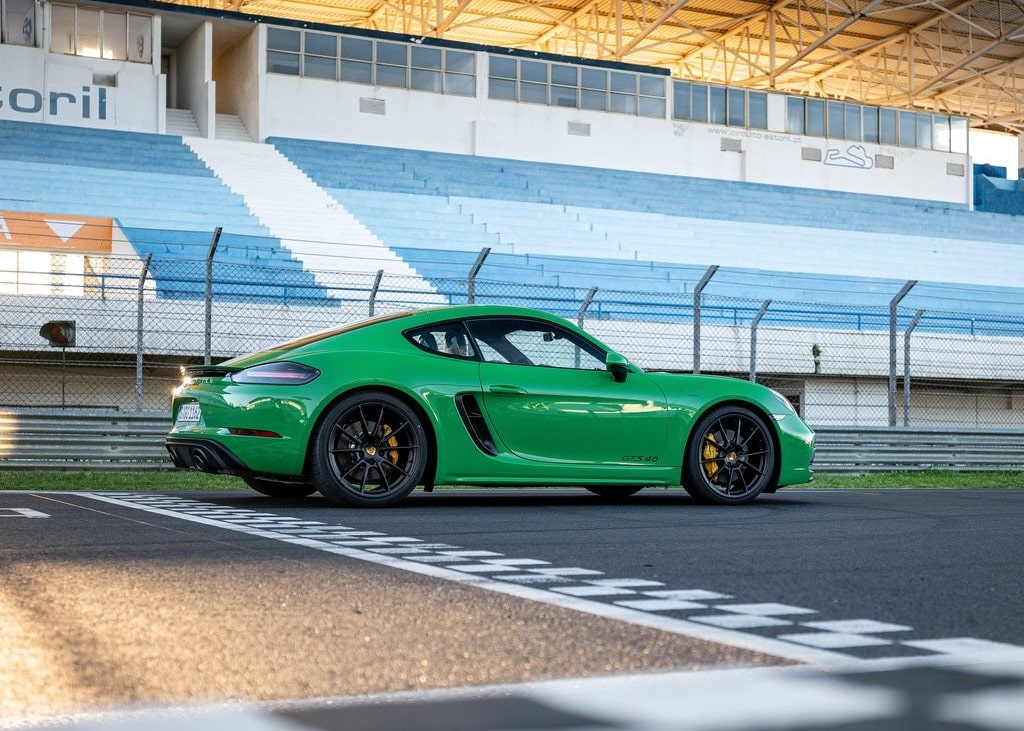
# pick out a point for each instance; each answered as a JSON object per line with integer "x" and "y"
{"x": 284, "y": 373}
{"x": 785, "y": 402}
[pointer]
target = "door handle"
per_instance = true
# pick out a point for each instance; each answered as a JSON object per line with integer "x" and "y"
{"x": 505, "y": 388}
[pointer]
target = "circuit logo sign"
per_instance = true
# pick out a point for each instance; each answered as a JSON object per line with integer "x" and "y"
{"x": 90, "y": 103}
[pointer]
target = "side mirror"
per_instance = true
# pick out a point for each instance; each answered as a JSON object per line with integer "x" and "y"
{"x": 618, "y": 366}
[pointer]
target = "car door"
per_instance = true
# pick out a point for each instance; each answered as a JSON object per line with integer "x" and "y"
{"x": 549, "y": 397}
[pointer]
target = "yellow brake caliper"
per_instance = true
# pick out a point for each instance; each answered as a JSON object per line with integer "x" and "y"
{"x": 709, "y": 454}
{"x": 392, "y": 442}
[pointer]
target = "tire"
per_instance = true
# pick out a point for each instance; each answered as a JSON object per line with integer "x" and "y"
{"x": 279, "y": 489}
{"x": 614, "y": 492}
{"x": 370, "y": 450}
{"x": 730, "y": 458}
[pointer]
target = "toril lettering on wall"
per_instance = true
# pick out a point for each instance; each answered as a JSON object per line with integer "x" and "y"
{"x": 91, "y": 103}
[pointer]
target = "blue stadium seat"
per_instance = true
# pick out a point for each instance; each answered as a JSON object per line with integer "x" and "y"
{"x": 568, "y": 228}
{"x": 166, "y": 201}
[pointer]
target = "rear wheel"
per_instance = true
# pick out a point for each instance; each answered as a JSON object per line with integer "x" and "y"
{"x": 613, "y": 492}
{"x": 279, "y": 489}
{"x": 369, "y": 451}
{"x": 730, "y": 459}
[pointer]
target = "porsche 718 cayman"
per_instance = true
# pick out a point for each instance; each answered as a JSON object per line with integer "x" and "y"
{"x": 479, "y": 395}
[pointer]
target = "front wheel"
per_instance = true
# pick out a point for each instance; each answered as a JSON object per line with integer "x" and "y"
{"x": 369, "y": 451}
{"x": 730, "y": 458}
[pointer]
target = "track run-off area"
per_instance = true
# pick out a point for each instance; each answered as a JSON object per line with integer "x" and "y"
{"x": 502, "y": 609}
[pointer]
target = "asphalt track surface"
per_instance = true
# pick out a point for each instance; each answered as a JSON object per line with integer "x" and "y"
{"x": 120, "y": 600}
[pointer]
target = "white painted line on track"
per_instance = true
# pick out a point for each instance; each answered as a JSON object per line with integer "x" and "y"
{"x": 765, "y": 610}
{"x": 963, "y": 646}
{"x": 859, "y": 626}
{"x": 741, "y": 621}
{"x": 834, "y": 640}
{"x": 21, "y": 513}
{"x": 609, "y": 611}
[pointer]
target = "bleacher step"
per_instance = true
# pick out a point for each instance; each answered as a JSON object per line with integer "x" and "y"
{"x": 313, "y": 226}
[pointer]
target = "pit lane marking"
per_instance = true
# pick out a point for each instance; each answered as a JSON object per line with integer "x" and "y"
{"x": 22, "y": 513}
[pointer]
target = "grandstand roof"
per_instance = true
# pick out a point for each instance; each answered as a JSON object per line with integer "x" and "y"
{"x": 963, "y": 57}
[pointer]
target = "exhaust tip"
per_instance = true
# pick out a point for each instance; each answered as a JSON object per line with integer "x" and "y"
{"x": 199, "y": 460}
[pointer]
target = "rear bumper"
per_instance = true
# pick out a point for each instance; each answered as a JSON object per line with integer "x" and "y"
{"x": 204, "y": 455}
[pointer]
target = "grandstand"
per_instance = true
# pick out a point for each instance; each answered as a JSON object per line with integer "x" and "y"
{"x": 166, "y": 201}
{"x": 338, "y": 197}
{"x": 562, "y": 226}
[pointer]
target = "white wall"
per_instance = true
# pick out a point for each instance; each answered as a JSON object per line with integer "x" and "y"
{"x": 196, "y": 88}
{"x": 237, "y": 76}
{"x": 38, "y": 86}
{"x": 315, "y": 109}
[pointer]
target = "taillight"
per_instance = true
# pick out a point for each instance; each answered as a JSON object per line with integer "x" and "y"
{"x": 284, "y": 373}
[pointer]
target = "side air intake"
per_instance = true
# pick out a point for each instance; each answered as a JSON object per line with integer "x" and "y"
{"x": 473, "y": 418}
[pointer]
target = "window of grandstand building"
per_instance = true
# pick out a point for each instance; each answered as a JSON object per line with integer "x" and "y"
{"x": 576, "y": 87}
{"x": 98, "y": 33}
{"x": 903, "y": 128}
{"x": 719, "y": 105}
{"x": 18, "y": 22}
{"x": 318, "y": 55}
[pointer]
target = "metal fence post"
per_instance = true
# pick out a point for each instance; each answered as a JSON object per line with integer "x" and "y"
{"x": 906, "y": 366}
{"x": 586, "y": 304}
{"x": 373, "y": 292}
{"x": 138, "y": 332}
{"x": 209, "y": 295}
{"x": 473, "y": 271}
{"x": 581, "y": 315}
{"x": 893, "y": 304}
{"x": 753, "y": 338}
{"x": 696, "y": 314}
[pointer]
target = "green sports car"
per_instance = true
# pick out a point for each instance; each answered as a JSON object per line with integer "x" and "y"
{"x": 476, "y": 395}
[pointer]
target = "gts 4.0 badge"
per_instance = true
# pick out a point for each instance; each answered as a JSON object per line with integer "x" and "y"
{"x": 640, "y": 458}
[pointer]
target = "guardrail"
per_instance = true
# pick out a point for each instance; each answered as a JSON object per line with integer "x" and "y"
{"x": 69, "y": 440}
{"x": 860, "y": 450}
{"x": 132, "y": 441}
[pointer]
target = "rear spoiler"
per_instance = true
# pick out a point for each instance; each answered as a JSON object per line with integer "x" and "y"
{"x": 209, "y": 371}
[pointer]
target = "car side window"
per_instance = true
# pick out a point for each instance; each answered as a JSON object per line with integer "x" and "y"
{"x": 444, "y": 339}
{"x": 533, "y": 342}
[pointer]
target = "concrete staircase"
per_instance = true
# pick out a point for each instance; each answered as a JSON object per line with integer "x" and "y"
{"x": 181, "y": 122}
{"x": 317, "y": 230}
{"x": 231, "y": 127}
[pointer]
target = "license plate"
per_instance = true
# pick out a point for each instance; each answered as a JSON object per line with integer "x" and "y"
{"x": 189, "y": 412}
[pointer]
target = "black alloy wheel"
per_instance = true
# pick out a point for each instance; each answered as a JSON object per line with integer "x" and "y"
{"x": 369, "y": 451}
{"x": 730, "y": 459}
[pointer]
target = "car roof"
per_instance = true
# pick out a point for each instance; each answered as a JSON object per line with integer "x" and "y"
{"x": 414, "y": 318}
{"x": 454, "y": 312}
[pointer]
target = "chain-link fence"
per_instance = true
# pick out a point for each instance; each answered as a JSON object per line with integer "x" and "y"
{"x": 137, "y": 321}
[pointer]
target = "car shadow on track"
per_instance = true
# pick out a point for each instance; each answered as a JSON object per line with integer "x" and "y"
{"x": 520, "y": 497}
